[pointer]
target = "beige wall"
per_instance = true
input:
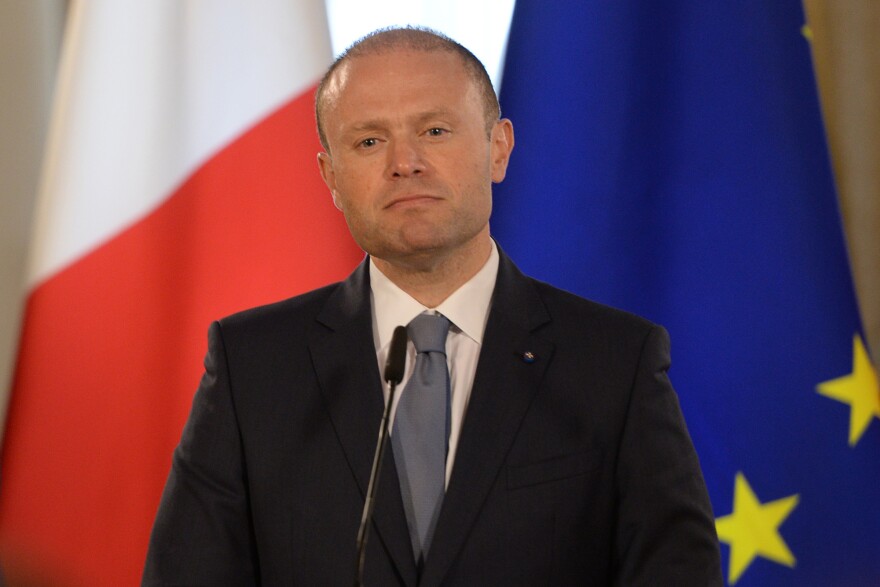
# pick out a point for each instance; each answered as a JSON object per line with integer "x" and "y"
{"x": 30, "y": 35}
{"x": 846, "y": 53}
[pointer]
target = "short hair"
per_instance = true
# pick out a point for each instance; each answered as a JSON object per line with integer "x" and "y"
{"x": 414, "y": 38}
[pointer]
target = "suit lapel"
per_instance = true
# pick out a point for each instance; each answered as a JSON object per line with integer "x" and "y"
{"x": 344, "y": 357}
{"x": 505, "y": 383}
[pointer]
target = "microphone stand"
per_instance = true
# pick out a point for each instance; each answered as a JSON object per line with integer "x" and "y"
{"x": 394, "y": 366}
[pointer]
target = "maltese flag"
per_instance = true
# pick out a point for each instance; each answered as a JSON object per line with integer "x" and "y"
{"x": 180, "y": 185}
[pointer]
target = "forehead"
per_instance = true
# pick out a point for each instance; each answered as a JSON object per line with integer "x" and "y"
{"x": 398, "y": 73}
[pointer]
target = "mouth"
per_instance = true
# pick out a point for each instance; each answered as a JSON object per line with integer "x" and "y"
{"x": 411, "y": 200}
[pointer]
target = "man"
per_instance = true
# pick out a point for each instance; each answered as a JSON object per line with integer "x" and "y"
{"x": 567, "y": 461}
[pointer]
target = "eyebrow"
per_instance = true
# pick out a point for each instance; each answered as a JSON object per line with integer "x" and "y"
{"x": 374, "y": 124}
{"x": 380, "y": 123}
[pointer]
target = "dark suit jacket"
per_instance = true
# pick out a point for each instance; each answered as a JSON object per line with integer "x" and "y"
{"x": 573, "y": 469}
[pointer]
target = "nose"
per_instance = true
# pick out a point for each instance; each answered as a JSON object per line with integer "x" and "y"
{"x": 405, "y": 159}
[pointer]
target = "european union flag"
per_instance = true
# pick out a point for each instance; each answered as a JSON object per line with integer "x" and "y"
{"x": 670, "y": 160}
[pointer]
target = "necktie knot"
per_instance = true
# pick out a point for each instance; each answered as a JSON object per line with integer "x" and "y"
{"x": 428, "y": 333}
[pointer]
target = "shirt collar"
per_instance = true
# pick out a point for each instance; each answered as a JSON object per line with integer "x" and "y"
{"x": 467, "y": 308}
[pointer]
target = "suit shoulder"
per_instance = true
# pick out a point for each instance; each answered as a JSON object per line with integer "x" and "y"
{"x": 299, "y": 309}
{"x": 578, "y": 311}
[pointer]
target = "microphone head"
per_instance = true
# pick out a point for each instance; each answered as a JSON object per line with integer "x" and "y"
{"x": 396, "y": 360}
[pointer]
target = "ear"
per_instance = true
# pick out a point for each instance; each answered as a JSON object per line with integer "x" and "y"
{"x": 500, "y": 148}
{"x": 325, "y": 166}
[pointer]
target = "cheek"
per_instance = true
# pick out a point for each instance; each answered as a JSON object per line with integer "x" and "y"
{"x": 479, "y": 185}
{"x": 350, "y": 187}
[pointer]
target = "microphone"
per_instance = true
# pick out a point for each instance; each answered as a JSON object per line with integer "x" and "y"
{"x": 396, "y": 360}
{"x": 394, "y": 367}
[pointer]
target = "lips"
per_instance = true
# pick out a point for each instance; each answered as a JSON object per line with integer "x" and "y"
{"x": 413, "y": 199}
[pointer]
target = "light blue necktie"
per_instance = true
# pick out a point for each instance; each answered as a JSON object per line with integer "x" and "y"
{"x": 421, "y": 431}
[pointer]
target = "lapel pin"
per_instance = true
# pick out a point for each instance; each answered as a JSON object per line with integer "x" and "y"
{"x": 528, "y": 357}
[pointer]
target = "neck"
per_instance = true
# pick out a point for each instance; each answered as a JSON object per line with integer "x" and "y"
{"x": 430, "y": 279}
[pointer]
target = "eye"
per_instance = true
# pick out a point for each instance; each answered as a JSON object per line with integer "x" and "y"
{"x": 367, "y": 143}
{"x": 437, "y": 132}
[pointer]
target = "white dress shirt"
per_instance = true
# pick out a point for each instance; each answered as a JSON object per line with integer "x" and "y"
{"x": 467, "y": 309}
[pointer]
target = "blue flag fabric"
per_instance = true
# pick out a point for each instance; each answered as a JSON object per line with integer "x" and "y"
{"x": 670, "y": 160}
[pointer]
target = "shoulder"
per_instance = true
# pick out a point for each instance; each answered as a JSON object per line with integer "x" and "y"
{"x": 283, "y": 318}
{"x": 305, "y": 304}
{"x": 599, "y": 338}
{"x": 571, "y": 312}
{"x": 561, "y": 314}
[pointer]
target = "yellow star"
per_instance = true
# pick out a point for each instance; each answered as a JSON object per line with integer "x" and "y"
{"x": 753, "y": 529}
{"x": 807, "y": 32}
{"x": 859, "y": 389}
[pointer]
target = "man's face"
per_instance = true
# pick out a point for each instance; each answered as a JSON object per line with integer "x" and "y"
{"x": 409, "y": 162}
